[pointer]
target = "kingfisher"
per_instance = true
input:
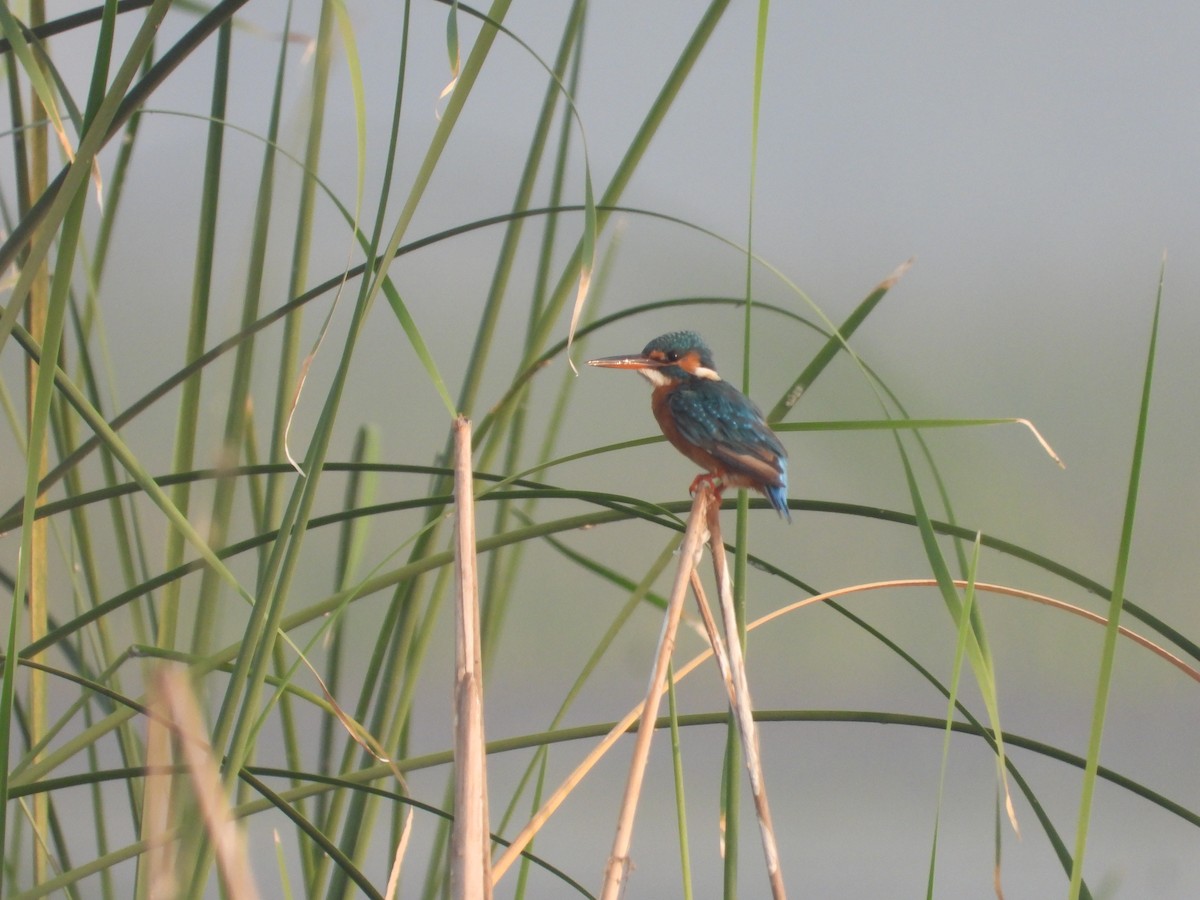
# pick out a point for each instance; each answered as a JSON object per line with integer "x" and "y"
{"x": 708, "y": 420}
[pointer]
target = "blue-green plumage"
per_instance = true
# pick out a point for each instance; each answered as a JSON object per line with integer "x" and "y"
{"x": 707, "y": 419}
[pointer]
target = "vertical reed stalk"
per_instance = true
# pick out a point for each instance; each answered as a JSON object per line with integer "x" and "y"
{"x": 617, "y": 869}
{"x": 734, "y": 671}
{"x": 470, "y": 878}
{"x": 173, "y": 693}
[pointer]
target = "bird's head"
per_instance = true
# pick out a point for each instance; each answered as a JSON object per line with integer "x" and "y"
{"x": 668, "y": 359}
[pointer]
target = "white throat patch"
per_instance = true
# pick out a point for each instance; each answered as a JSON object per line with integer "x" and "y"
{"x": 654, "y": 376}
{"x": 658, "y": 379}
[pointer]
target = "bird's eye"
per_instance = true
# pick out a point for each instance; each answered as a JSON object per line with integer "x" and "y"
{"x": 672, "y": 356}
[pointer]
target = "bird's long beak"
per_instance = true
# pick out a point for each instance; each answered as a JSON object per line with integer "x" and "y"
{"x": 627, "y": 362}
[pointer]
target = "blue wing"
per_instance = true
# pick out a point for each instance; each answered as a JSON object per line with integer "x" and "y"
{"x": 716, "y": 416}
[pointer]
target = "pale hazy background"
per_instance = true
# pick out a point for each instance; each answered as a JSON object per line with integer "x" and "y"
{"x": 1036, "y": 160}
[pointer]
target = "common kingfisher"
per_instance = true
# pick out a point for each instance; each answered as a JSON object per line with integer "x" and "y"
{"x": 708, "y": 420}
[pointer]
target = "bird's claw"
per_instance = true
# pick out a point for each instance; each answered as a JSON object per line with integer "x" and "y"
{"x": 713, "y": 481}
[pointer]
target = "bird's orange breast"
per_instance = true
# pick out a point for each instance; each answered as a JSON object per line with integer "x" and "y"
{"x": 694, "y": 452}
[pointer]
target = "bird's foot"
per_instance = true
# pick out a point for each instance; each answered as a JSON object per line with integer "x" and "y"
{"x": 713, "y": 481}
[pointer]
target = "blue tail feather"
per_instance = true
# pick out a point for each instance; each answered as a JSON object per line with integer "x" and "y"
{"x": 778, "y": 494}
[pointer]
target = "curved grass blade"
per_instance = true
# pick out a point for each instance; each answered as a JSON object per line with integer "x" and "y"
{"x": 241, "y": 687}
{"x": 452, "y": 49}
{"x": 506, "y": 256}
{"x": 359, "y": 818}
{"x": 977, "y": 648}
{"x": 286, "y": 392}
{"x": 231, "y": 343}
{"x": 633, "y": 506}
{"x": 629, "y": 163}
{"x": 960, "y": 648}
{"x": 110, "y": 116}
{"x": 188, "y": 416}
{"x": 835, "y": 343}
{"x": 14, "y": 33}
{"x": 1116, "y": 603}
{"x": 288, "y": 395}
{"x": 587, "y": 246}
{"x": 78, "y": 20}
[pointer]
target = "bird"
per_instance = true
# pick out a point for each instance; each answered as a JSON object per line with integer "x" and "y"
{"x": 707, "y": 419}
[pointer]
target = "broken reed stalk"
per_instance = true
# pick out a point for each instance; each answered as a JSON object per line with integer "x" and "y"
{"x": 556, "y": 799}
{"x": 733, "y": 671}
{"x": 171, "y": 693}
{"x": 470, "y": 876}
{"x": 161, "y": 851}
{"x": 703, "y": 512}
{"x": 617, "y": 869}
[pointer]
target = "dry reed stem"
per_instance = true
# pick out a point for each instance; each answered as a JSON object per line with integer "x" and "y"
{"x": 742, "y": 705}
{"x": 617, "y": 869}
{"x": 160, "y": 881}
{"x": 393, "y": 885}
{"x": 555, "y": 800}
{"x": 470, "y": 878}
{"x": 174, "y": 694}
{"x": 986, "y": 587}
{"x": 558, "y": 797}
{"x": 714, "y": 637}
